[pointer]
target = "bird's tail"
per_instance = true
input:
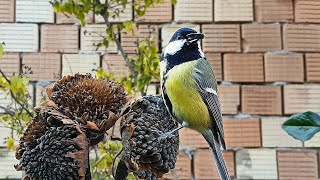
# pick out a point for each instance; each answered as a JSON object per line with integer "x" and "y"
{"x": 217, "y": 156}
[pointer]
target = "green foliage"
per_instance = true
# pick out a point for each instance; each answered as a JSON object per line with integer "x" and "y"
{"x": 1, "y": 50}
{"x": 302, "y": 126}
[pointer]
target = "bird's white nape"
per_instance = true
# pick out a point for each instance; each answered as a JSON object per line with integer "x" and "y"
{"x": 200, "y": 50}
{"x": 174, "y": 47}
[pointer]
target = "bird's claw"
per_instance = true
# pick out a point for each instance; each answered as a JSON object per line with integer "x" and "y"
{"x": 161, "y": 136}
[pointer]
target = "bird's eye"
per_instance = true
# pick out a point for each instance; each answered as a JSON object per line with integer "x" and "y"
{"x": 180, "y": 37}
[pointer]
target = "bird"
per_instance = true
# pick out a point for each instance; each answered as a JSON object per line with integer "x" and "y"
{"x": 189, "y": 91}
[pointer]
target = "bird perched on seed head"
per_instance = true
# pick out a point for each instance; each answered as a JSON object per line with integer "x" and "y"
{"x": 189, "y": 90}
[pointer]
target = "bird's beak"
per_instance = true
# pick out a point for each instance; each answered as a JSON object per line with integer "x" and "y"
{"x": 194, "y": 37}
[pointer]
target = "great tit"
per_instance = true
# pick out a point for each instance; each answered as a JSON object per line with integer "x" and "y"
{"x": 189, "y": 90}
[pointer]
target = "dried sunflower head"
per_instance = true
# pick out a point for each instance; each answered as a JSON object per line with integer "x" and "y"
{"x": 143, "y": 152}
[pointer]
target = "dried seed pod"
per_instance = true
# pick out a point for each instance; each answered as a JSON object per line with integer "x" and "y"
{"x": 142, "y": 122}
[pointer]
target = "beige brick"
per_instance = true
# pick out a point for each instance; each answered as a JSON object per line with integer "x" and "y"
{"x": 168, "y": 30}
{"x": 300, "y": 98}
{"x": 274, "y": 136}
{"x": 313, "y": 67}
{"x": 7, "y": 161}
{"x": 116, "y": 64}
{"x": 91, "y": 36}
{"x": 41, "y": 93}
{"x": 10, "y": 64}
{"x": 221, "y": 38}
{"x": 261, "y": 37}
{"x": 297, "y": 164}
{"x": 256, "y": 164}
{"x": 307, "y": 11}
{"x": 229, "y": 97}
{"x": 130, "y": 42}
{"x": 59, "y": 38}
{"x": 215, "y": 60}
{"x": 82, "y": 63}
{"x": 242, "y": 132}
{"x": 193, "y": 11}
{"x": 261, "y": 100}
{"x": 243, "y": 67}
{"x": 205, "y": 167}
{"x": 182, "y": 168}
{"x": 158, "y": 13}
{"x": 233, "y": 10}
{"x": 63, "y": 19}
{"x": 7, "y": 11}
{"x": 38, "y": 11}
{"x": 301, "y": 37}
{"x": 45, "y": 66}
{"x": 5, "y": 101}
{"x": 284, "y": 67}
{"x": 273, "y": 10}
{"x": 313, "y": 142}
{"x": 191, "y": 138}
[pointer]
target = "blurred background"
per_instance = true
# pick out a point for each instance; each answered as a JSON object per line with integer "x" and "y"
{"x": 265, "y": 55}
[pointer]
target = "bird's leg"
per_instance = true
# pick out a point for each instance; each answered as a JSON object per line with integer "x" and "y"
{"x": 169, "y": 134}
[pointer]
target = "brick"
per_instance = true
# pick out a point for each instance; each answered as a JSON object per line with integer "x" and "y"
{"x": 301, "y": 37}
{"x": 313, "y": 67}
{"x": 242, "y": 132}
{"x": 34, "y": 11}
{"x": 59, "y": 38}
{"x": 229, "y": 97}
{"x": 41, "y": 93}
{"x": 243, "y": 67}
{"x": 273, "y": 10}
{"x": 19, "y": 37}
{"x": 5, "y": 132}
{"x": 82, "y": 63}
{"x": 45, "y": 66}
{"x": 125, "y": 14}
{"x": 91, "y": 35}
{"x": 168, "y": 30}
{"x": 7, "y": 11}
{"x": 116, "y": 64}
{"x": 256, "y": 164}
{"x": 300, "y": 98}
{"x": 184, "y": 11}
{"x": 313, "y": 142}
{"x": 10, "y": 64}
{"x": 158, "y": 13}
{"x": 274, "y": 136}
{"x": 297, "y": 164}
{"x": 233, "y": 10}
{"x": 63, "y": 19}
{"x": 182, "y": 168}
{"x": 221, "y": 38}
{"x": 7, "y": 161}
{"x": 307, "y": 11}
{"x": 215, "y": 60}
{"x": 284, "y": 67}
{"x": 261, "y": 37}
{"x": 191, "y": 138}
{"x": 261, "y": 100}
{"x": 129, "y": 42}
{"x": 5, "y": 101}
{"x": 205, "y": 167}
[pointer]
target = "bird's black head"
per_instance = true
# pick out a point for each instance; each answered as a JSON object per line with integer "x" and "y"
{"x": 183, "y": 46}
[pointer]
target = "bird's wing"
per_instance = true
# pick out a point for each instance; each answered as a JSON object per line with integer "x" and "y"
{"x": 207, "y": 87}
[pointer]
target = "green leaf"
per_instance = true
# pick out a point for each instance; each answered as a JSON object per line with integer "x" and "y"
{"x": 10, "y": 143}
{"x": 302, "y": 126}
{"x": 1, "y": 50}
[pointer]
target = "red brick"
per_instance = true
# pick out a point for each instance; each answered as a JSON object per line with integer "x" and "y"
{"x": 313, "y": 67}
{"x": 129, "y": 41}
{"x": 184, "y": 11}
{"x": 301, "y": 37}
{"x": 284, "y": 67}
{"x": 307, "y": 11}
{"x": 215, "y": 60}
{"x": 7, "y": 11}
{"x": 261, "y": 37}
{"x": 221, "y": 38}
{"x": 10, "y": 64}
{"x": 205, "y": 168}
{"x": 261, "y": 100}
{"x": 182, "y": 168}
{"x": 243, "y": 67}
{"x": 300, "y": 98}
{"x": 273, "y": 10}
{"x": 233, "y": 10}
{"x": 159, "y": 13}
{"x": 59, "y": 38}
{"x": 63, "y": 19}
{"x": 229, "y": 97}
{"x": 191, "y": 138}
{"x": 45, "y": 66}
{"x": 116, "y": 64}
{"x": 297, "y": 164}
{"x": 242, "y": 132}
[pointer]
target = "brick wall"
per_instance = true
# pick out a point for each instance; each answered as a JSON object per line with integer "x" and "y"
{"x": 251, "y": 44}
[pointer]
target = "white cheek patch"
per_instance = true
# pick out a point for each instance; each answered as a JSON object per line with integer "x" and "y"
{"x": 200, "y": 50}
{"x": 174, "y": 47}
{"x": 212, "y": 91}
